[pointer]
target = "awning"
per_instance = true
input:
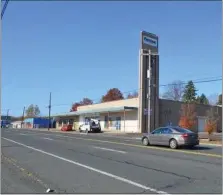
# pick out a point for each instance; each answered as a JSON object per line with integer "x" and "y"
{"x": 99, "y": 110}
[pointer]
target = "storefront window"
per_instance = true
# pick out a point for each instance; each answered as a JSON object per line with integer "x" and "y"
{"x": 71, "y": 121}
{"x": 64, "y": 122}
{"x": 60, "y": 123}
{"x": 87, "y": 120}
{"x": 112, "y": 122}
{"x": 106, "y": 122}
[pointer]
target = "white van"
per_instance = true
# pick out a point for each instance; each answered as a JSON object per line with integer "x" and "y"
{"x": 91, "y": 125}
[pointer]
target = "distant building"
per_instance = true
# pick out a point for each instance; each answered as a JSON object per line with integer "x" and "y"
{"x": 16, "y": 124}
{"x": 5, "y": 120}
{"x": 37, "y": 122}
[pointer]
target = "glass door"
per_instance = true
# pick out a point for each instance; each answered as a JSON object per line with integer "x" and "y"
{"x": 118, "y": 123}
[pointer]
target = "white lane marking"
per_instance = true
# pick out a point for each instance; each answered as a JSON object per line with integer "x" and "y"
{"x": 23, "y": 134}
{"x": 47, "y": 138}
{"x": 83, "y": 133}
{"x": 109, "y": 149}
{"x": 90, "y": 168}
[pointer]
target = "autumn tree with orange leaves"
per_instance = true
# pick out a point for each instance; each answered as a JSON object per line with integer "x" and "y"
{"x": 112, "y": 95}
{"x": 211, "y": 121}
{"x": 187, "y": 116}
{"x": 84, "y": 102}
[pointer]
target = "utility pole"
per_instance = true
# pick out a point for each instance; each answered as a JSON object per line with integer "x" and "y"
{"x": 23, "y": 116}
{"x": 49, "y": 113}
{"x": 7, "y": 115}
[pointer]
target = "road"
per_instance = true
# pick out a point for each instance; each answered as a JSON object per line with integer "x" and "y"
{"x": 33, "y": 161}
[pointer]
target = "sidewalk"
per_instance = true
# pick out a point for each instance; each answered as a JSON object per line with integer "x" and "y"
{"x": 207, "y": 142}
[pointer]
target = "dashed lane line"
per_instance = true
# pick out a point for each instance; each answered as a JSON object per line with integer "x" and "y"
{"x": 109, "y": 149}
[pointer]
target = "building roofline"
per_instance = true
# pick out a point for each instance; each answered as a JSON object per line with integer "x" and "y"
{"x": 101, "y": 103}
{"x": 98, "y": 110}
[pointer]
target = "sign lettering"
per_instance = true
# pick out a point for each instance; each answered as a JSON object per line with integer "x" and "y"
{"x": 150, "y": 41}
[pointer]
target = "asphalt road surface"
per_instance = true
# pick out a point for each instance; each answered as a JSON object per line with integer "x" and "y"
{"x": 34, "y": 161}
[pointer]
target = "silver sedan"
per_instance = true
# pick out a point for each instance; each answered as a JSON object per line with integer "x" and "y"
{"x": 172, "y": 137}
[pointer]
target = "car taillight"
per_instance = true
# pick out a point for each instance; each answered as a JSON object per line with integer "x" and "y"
{"x": 184, "y": 135}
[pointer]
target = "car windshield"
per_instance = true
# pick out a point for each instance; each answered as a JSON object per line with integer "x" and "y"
{"x": 182, "y": 130}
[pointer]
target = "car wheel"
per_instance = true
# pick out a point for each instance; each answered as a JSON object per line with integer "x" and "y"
{"x": 145, "y": 141}
{"x": 173, "y": 144}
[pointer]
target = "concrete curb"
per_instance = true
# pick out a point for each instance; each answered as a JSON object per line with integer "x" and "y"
{"x": 210, "y": 144}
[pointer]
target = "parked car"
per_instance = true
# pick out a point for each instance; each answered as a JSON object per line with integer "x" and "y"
{"x": 172, "y": 137}
{"x": 66, "y": 128}
{"x": 93, "y": 125}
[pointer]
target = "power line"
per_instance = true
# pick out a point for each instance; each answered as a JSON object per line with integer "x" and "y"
{"x": 198, "y": 81}
{"x": 4, "y": 8}
{"x": 204, "y": 81}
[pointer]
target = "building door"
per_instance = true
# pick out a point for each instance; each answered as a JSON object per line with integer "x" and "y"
{"x": 118, "y": 123}
{"x": 201, "y": 124}
{"x": 106, "y": 122}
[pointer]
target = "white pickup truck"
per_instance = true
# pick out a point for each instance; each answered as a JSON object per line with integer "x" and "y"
{"x": 92, "y": 125}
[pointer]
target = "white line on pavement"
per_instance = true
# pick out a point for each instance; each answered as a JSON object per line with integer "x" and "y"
{"x": 112, "y": 150}
{"x": 22, "y": 134}
{"x": 90, "y": 168}
{"x": 47, "y": 138}
{"x": 83, "y": 133}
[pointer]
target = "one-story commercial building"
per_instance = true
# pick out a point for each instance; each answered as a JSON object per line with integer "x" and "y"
{"x": 36, "y": 122}
{"x": 122, "y": 115}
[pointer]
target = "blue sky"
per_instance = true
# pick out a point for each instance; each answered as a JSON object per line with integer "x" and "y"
{"x": 56, "y": 46}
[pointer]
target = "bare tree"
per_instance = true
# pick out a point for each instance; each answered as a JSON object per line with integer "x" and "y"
{"x": 132, "y": 95}
{"x": 32, "y": 111}
{"x": 213, "y": 99}
{"x": 174, "y": 91}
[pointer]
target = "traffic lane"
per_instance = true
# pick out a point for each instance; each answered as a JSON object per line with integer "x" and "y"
{"x": 96, "y": 135}
{"x": 157, "y": 169}
{"x": 61, "y": 176}
{"x": 150, "y": 174}
{"x": 164, "y": 150}
{"x": 126, "y": 190}
{"x": 202, "y": 148}
{"x": 153, "y": 150}
{"x": 15, "y": 180}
